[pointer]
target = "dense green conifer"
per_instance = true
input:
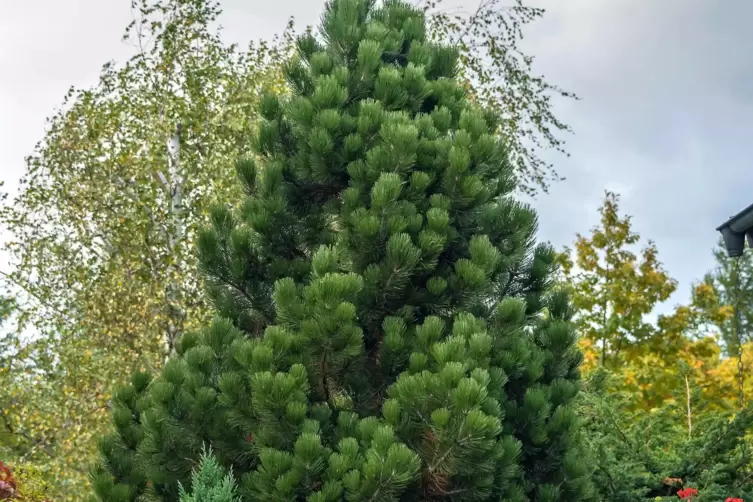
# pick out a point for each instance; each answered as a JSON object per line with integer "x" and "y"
{"x": 385, "y": 329}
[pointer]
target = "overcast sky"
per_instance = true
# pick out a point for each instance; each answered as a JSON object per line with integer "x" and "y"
{"x": 666, "y": 117}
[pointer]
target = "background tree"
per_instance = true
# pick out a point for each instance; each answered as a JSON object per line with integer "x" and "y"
{"x": 683, "y": 346}
{"x": 501, "y": 77}
{"x": 613, "y": 289}
{"x": 7, "y": 305}
{"x": 15, "y": 440}
{"x": 103, "y": 229}
{"x": 729, "y": 312}
{"x": 664, "y": 415}
{"x": 730, "y": 293}
{"x": 614, "y": 293}
{"x": 380, "y": 296}
{"x": 112, "y": 196}
{"x": 647, "y": 456}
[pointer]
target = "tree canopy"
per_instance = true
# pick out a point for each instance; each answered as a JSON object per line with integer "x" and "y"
{"x": 380, "y": 298}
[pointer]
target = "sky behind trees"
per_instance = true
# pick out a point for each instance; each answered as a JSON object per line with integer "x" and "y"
{"x": 666, "y": 118}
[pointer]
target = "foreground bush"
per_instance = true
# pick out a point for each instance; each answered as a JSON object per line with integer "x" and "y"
{"x": 210, "y": 483}
{"x": 21, "y": 484}
{"x": 648, "y": 456}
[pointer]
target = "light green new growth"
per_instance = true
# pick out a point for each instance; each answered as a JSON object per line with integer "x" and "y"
{"x": 210, "y": 483}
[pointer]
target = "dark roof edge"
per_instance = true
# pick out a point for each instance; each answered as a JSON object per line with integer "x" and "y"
{"x": 732, "y": 219}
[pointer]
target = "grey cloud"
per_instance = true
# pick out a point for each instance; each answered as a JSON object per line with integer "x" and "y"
{"x": 666, "y": 111}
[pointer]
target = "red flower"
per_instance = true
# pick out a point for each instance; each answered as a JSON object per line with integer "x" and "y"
{"x": 7, "y": 483}
{"x": 733, "y": 499}
{"x": 687, "y": 493}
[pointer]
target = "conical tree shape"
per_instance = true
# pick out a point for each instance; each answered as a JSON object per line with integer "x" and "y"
{"x": 210, "y": 483}
{"x": 384, "y": 327}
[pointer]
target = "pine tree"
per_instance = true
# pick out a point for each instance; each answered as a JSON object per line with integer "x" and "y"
{"x": 122, "y": 478}
{"x": 385, "y": 327}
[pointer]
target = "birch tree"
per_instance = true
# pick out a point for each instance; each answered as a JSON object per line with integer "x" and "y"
{"x": 501, "y": 76}
{"x": 102, "y": 230}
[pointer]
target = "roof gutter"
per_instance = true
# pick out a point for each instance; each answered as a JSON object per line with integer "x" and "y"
{"x": 735, "y": 230}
